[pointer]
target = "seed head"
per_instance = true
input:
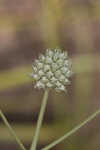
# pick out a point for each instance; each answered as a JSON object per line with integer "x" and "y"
{"x": 52, "y": 70}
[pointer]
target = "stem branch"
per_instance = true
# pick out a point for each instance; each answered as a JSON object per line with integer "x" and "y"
{"x": 72, "y": 131}
{"x": 11, "y": 131}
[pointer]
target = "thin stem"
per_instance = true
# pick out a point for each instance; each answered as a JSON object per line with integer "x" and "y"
{"x": 39, "y": 122}
{"x": 11, "y": 131}
{"x": 72, "y": 131}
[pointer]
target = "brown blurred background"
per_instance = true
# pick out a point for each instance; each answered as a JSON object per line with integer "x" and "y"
{"x": 28, "y": 27}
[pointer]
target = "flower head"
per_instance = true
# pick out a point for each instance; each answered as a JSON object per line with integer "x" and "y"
{"x": 52, "y": 70}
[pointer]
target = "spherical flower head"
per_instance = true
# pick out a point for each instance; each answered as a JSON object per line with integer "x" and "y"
{"x": 52, "y": 70}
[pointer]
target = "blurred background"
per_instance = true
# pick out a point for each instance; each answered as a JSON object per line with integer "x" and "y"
{"x": 28, "y": 27}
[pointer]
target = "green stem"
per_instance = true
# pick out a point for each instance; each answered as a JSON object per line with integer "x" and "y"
{"x": 39, "y": 122}
{"x": 11, "y": 131}
{"x": 72, "y": 131}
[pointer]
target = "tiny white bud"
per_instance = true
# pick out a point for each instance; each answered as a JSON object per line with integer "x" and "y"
{"x": 62, "y": 78}
{"x": 61, "y": 88}
{"x": 69, "y": 74}
{"x": 57, "y": 50}
{"x": 58, "y": 84}
{"x": 53, "y": 79}
{"x": 36, "y": 62}
{"x": 64, "y": 70}
{"x": 58, "y": 73}
{"x": 44, "y": 79}
{"x": 49, "y": 74}
{"x": 66, "y": 81}
{"x": 42, "y": 58}
{"x": 39, "y": 85}
{"x": 34, "y": 68}
{"x": 41, "y": 73}
{"x": 46, "y": 68}
{"x": 49, "y": 85}
{"x": 36, "y": 77}
{"x": 62, "y": 56}
{"x": 54, "y": 67}
{"x": 49, "y": 52}
{"x": 66, "y": 63}
{"x": 66, "y": 54}
{"x": 40, "y": 65}
{"x": 60, "y": 62}
{"x": 48, "y": 60}
{"x": 55, "y": 57}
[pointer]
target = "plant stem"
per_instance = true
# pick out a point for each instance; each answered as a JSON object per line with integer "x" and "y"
{"x": 40, "y": 119}
{"x": 72, "y": 131}
{"x": 11, "y": 131}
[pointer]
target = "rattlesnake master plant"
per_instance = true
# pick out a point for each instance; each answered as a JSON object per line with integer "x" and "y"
{"x": 52, "y": 70}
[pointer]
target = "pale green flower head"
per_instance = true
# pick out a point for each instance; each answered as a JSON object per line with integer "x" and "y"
{"x": 52, "y": 70}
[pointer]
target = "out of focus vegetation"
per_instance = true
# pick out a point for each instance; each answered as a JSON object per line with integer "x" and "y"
{"x": 28, "y": 28}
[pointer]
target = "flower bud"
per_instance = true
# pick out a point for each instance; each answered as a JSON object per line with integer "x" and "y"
{"x": 52, "y": 70}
